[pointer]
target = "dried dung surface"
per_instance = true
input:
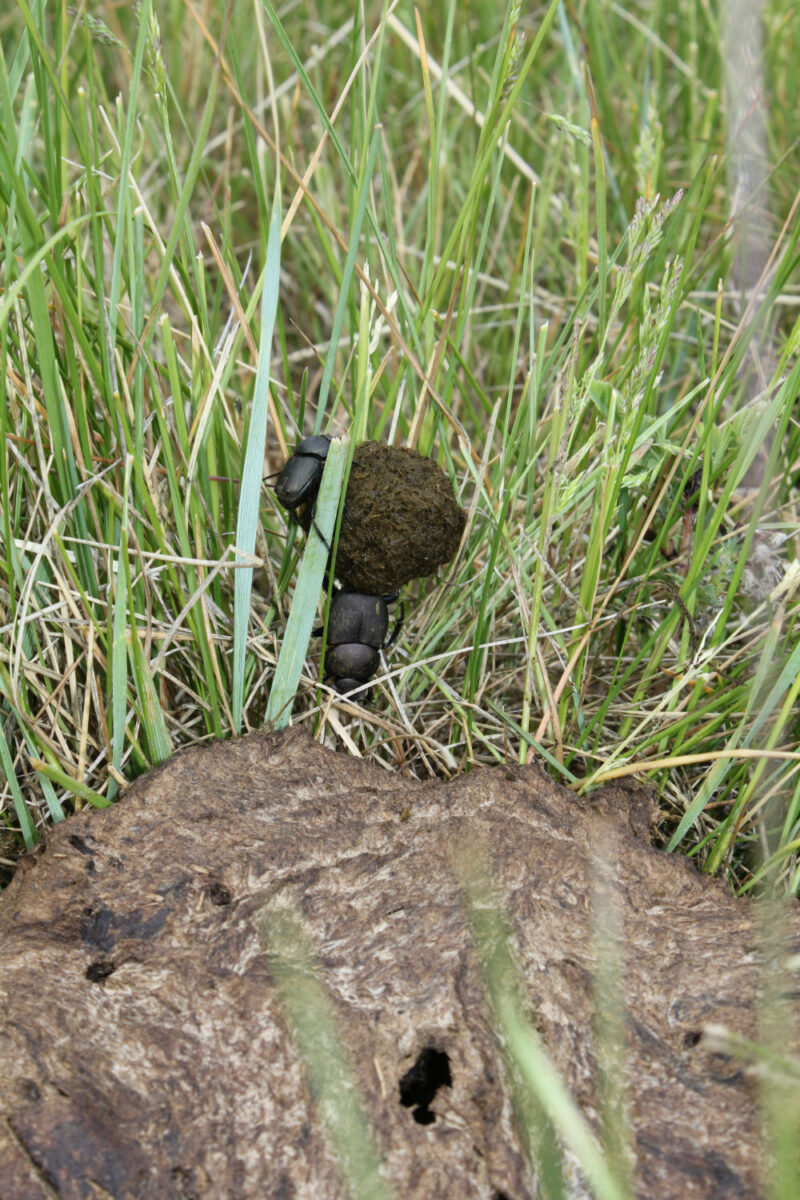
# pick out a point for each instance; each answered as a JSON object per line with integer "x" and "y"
{"x": 143, "y": 1052}
{"x": 400, "y": 520}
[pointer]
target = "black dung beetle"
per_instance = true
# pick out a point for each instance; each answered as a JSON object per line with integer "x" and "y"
{"x": 357, "y": 628}
{"x": 298, "y": 482}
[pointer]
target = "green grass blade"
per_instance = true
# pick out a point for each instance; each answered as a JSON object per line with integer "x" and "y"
{"x": 253, "y": 470}
{"x": 123, "y": 200}
{"x": 365, "y": 181}
{"x": 119, "y": 646}
{"x": 26, "y": 824}
{"x": 311, "y": 1014}
{"x": 159, "y": 744}
{"x": 542, "y": 1090}
{"x": 73, "y": 786}
{"x": 306, "y": 593}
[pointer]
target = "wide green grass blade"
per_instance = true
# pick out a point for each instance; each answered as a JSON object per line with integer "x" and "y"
{"x": 309, "y": 584}
{"x": 253, "y": 470}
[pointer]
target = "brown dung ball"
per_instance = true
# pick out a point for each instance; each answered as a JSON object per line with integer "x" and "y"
{"x": 400, "y": 520}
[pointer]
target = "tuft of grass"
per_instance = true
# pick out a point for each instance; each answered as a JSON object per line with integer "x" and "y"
{"x": 505, "y": 242}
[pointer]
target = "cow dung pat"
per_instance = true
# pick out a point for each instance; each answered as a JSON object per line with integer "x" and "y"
{"x": 400, "y": 521}
{"x": 146, "y": 1047}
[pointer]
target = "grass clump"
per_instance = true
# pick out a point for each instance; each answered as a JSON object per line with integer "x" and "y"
{"x": 514, "y": 247}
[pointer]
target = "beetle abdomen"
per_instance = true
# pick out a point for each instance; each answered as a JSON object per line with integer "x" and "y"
{"x": 353, "y": 660}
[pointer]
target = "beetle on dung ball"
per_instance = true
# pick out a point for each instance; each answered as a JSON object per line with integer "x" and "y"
{"x": 400, "y": 521}
{"x": 298, "y": 482}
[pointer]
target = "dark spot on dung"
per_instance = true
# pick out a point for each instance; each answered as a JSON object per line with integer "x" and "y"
{"x": 184, "y": 1180}
{"x": 285, "y": 1189}
{"x": 28, "y": 1090}
{"x": 102, "y": 929}
{"x": 693, "y": 1169}
{"x": 722, "y": 1068}
{"x": 421, "y": 1082}
{"x": 82, "y": 845}
{"x": 96, "y": 927}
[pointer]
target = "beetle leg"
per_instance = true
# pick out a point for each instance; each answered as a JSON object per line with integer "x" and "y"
{"x": 321, "y": 535}
{"x": 317, "y": 529}
{"x": 401, "y": 611}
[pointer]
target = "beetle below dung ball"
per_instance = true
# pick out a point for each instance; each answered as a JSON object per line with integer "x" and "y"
{"x": 357, "y": 627}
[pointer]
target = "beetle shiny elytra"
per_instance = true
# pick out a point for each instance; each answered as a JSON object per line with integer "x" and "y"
{"x": 357, "y": 628}
{"x": 299, "y": 480}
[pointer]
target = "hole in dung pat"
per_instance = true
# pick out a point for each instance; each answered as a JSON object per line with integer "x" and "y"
{"x": 99, "y": 970}
{"x": 421, "y": 1082}
{"x": 219, "y": 895}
